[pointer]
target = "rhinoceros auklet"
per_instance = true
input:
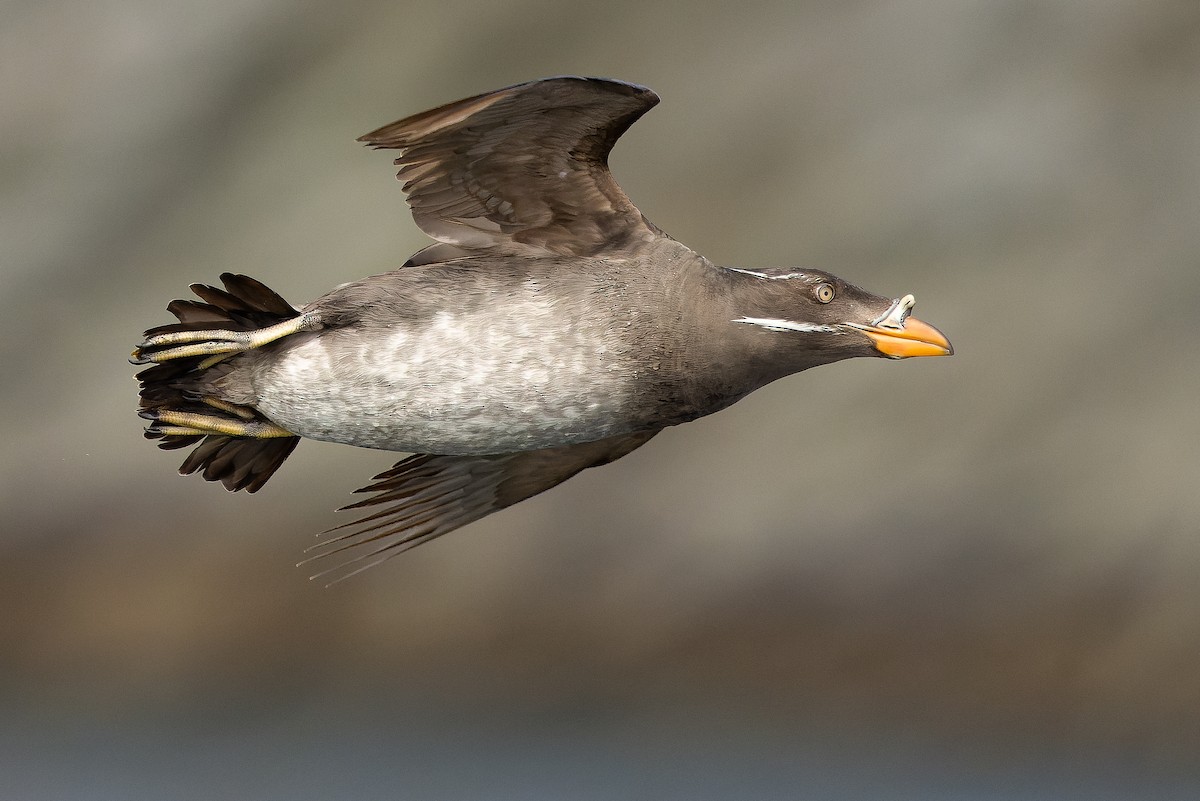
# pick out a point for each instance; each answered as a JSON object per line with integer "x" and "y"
{"x": 551, "y": 328}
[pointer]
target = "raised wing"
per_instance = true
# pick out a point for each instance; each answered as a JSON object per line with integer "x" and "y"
{"x": 425, "y": 496}
{"x": 523, "y": 170}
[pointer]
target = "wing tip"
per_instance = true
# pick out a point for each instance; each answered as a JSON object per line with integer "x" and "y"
{"x": 403, "y": 132}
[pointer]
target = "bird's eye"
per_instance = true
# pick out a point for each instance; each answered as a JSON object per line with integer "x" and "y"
{"x": 823, "y": 293}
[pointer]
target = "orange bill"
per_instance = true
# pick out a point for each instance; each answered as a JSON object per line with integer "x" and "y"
{"x": 915, "y": 338}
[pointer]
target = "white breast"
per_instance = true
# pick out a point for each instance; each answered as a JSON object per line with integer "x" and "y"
{"x": 460, "y": 383}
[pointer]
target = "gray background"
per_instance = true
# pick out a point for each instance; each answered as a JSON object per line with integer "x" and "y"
{"x": 975, "y": 577}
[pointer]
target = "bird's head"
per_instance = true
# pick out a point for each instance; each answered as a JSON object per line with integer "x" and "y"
{"x": 822, "y": 318}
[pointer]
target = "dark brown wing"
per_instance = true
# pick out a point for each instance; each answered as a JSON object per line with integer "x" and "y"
{"x": 424, "y": 496}
{"x": 523, "y": 170}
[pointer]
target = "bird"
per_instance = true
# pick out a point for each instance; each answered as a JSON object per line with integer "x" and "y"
{"x": 550, "y": 327}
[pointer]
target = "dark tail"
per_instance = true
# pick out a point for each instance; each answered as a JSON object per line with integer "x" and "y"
{"x": 177, "y": 385}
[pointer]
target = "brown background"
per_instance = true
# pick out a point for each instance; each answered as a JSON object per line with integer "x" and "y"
{"x": 975, "y": 577}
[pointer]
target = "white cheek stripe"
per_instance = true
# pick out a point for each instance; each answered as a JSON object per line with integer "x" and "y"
{"x": 789, "y": 325}
{"x": 765, "y": 277}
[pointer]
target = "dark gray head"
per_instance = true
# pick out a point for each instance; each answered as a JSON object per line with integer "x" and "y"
{"x": 820, "y": 318}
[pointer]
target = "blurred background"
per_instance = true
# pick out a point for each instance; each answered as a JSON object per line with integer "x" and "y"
{"x": 975, "y": 577}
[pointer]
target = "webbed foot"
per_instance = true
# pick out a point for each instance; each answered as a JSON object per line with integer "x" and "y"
{"x": 216, "y": 341}
{"x": 169, "y": 423}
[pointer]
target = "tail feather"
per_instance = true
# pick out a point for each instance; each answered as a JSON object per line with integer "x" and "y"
{"x": 237, "y": 462}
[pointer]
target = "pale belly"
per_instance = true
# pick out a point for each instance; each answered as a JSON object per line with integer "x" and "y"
{"x": 456, "y": 386}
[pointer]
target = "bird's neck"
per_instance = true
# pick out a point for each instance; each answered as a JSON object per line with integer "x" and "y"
{"x": 729, "y": 359}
